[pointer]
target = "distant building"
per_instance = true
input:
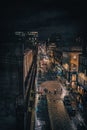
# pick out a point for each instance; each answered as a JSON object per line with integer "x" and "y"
{"x": 51, "y": 51}
{"x": 58, "y": 56}
{"x": 29, "y": 39}
{"x": 19, "y": 35}
{"x": 32, "y": 37}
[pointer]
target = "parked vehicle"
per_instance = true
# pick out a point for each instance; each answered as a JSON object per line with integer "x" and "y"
{"x": 68, "y": 105}
{"x": 81, "y": 126}
{"x": 67, "y": 100}
{"x": 80, "y": 107}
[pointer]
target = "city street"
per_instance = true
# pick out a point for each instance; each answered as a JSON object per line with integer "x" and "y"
{"x": 43, "y": 65}
{"x": 50, "y": 111}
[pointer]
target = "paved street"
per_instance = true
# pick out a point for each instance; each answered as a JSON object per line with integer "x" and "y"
{"x": 57, "y": 112}
{"x": 41, "y": 115}
{"x": 42, "y": 121}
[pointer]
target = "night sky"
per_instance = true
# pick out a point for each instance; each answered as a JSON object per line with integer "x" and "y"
{"x": 45, "y": 16}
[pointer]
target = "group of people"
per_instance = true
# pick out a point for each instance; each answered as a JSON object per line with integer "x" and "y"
{"x": 56, "y": 91}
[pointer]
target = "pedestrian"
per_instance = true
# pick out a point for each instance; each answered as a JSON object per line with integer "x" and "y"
{"x": 55, "y": 91}
{"x": 61, "y": 89}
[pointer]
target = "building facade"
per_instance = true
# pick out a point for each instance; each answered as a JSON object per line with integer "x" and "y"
{"x": 70, "y": 63}
{"x": 82, "y": 75}
{"x": 32, "y": 37}
{"x": 15, "y": 74}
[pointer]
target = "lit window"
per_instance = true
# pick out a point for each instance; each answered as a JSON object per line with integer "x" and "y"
{"x": 74, "y": 57}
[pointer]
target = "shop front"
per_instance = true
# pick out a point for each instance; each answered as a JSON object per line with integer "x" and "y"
{"x": 66, "y": 71}
{"x": 73, "y": 79}
{"x": 82, "y": 83}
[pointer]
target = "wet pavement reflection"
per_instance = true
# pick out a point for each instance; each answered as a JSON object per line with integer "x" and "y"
{"x": 42, "y": 117}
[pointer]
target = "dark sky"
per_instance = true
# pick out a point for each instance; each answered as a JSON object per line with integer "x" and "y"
{"x": 45, "y": 16}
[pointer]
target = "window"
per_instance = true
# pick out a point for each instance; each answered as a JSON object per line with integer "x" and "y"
{"x": 80, "y": 60}
{"x": 74, "y": 77}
